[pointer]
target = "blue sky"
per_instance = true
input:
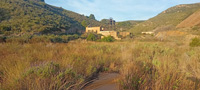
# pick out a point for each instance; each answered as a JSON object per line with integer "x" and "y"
{"x": 120, "y": 10}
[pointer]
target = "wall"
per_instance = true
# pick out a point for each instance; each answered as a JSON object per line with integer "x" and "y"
{"x": 93, "y": 29}
{"x": 99, "y": 30}
{"x": 110, "y": 33}
{"x": 124, "y": 34}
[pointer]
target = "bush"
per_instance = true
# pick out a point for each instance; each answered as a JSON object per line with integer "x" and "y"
{"x": 91, "y": 37}
{"x": 49, "y": 76}
{"x": 108, "y": 39}
{"x": 57, "y": 39}
{"x": 195, "y": 42}
{"x": 19, "y": 39}
{"x": 2, "y": 39}
{"x": 40, "y": 38}
{"x": 196, "y": 28}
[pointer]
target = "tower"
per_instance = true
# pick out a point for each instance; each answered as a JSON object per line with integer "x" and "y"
{"x": 111, "y": 24}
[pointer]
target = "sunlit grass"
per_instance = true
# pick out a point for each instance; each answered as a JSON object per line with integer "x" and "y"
{"x": 142, "y": 65}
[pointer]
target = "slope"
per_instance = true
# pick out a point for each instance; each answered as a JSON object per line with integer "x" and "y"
{"x": 192, "y": 20}
{"x": 172, "y": 16}
{"x": 34, "y": 16}
{"x": 120, "y": 26}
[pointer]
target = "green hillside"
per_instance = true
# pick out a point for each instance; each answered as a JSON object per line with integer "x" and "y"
{"x": 120, "y": 26}
{"x": 172, "y": 16}
{"x": 126, "y": 25}
{"x": 34, "y": 16}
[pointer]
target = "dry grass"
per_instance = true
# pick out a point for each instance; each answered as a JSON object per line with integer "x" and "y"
{"x": 47, "y": 66}
{"x": 161, "y": 66}
{"x": 142, "y": 65}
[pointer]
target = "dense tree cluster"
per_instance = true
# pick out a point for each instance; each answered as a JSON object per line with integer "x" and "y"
{"x": 34, "y": 16}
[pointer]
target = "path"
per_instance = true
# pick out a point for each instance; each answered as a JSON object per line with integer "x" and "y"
{"x": 105, "y": 81}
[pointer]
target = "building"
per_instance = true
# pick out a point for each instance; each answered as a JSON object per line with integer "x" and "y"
{"x": 149, "y": 33}
{"x": 100, "y": 30}
{"x": 94, "y": 29}
{"x": 124, "y": 34}
{"x": 110, "y": 33}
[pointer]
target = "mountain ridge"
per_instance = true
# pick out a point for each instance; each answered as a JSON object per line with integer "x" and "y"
{"x": 35, "y": 16}
{"x": 170, "y": 17}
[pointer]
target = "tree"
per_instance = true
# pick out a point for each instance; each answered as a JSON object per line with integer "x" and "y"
{"x": 84, "y": 23}
{"x": 91, "y": 37}
{"x": 92, "y": 17}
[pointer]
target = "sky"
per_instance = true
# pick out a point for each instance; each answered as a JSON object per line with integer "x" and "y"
{"x": 119, "y": 10}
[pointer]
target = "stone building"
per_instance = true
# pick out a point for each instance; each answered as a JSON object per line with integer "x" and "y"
{"x": 124, "y": 34}
{"x": 100, "y": 30}
{"x": 94, "y": 29}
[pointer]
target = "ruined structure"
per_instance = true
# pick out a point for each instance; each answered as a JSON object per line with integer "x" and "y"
{"x": 100, "y": 30}
{"x": 124, "y": 34}
{"x": 149, "y": 33}
{"x": 94, "y": 29}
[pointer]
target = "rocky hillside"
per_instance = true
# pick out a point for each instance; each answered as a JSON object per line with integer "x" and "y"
{"x": 35, "y": 16}
{"x": 191, "y": 21}
{"x": 170, "y": 17}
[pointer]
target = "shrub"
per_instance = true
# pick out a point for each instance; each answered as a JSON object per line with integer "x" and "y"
{"x": 195, "y": 28}
{"x": 2, "y": 39}
{"x": 91, "y": 37}
{"x": 49, "y": 76}
{"x": 57, "y": 39}
{"x": 19, "y": 39}
{"x": 195, "y": 42}
{"x": 42, "y": 38}
{"x": 108, "y": 39}
{"x": 72, "y": 37}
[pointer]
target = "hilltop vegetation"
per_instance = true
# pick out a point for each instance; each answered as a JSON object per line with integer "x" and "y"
{"x": 34, "y": 16}
{"x": 170, "y": 17}
{"x": 126, "y": 25}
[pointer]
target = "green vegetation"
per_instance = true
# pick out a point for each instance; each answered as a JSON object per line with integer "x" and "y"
{"x": 120, "y": 26}
{"x": 126, "y": 25}
{"x": 39, "y": 39}
{"x": 91, "y": 37}
{"x": 84, "y": 23}
{"x": 28, "y": 16}
{"x": 195, "y": 42}
{"x": 172, "y": 16}
{"x": 92, "y": 17}
{"x": 108, "y": 39}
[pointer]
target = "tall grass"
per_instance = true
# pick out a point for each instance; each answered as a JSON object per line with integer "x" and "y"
{"x": 142, "y": 65}
{"x": 161, "y": 66}
{"x": 47, "y": 66}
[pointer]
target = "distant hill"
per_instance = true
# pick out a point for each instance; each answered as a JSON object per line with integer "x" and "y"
{"x": 170, "y": 17}
{"x": 126, "y": 25}
{"x": 35, "y": 16}
{"x": 121, "y": 26}
{"x": 191, "y": 21}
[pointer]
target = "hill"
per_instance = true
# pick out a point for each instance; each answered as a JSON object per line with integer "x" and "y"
{"x": 126, "y": 25}
{"x": 121, "y": 26}
{"x": 191, "y": 21}
{"x": 170, "y": 17}
{"x": 35, "y": 16}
